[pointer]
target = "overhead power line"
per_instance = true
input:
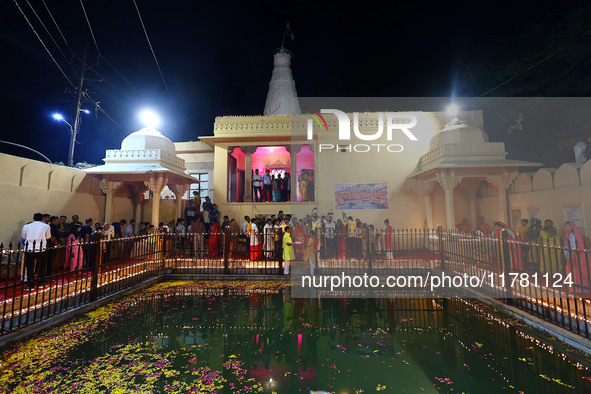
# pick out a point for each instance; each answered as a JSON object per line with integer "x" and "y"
{"x": 47, "y": 31}
{"x": 534, "y": 65}
{"x": 55, "y": 23}
{"x": 26, "y": 147}
{"x": 97, "y": 106}
{"x": 151, "y": 49}
{"x": 118, "y": 73}
{"x": 90, "y": 28}
{"x": 42, "y": 43}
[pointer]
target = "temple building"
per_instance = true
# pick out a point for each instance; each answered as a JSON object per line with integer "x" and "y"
{"x": 418, "y": 169}
{"x": 432, "y": 180}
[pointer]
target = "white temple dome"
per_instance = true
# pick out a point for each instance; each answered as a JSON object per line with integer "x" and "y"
{"x": 459, "y": 134}
{"x": 148, "y": 138}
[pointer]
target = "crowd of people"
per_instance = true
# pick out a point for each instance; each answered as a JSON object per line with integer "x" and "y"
{"x": 42, "y": 236}
{"x": 539, "y": 247}
{"x": 281, "y": 237}
{"x": 271, "y": 187}
{"x": 276, "y": 186}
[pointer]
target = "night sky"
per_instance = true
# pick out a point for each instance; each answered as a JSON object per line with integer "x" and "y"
{"x": 216, "y": 59}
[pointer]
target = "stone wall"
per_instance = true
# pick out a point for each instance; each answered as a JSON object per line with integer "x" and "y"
{"x": 554, "y": 193}
{"x": 30, "y": 186}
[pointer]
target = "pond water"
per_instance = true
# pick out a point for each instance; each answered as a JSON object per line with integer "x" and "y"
{"x": 248, "y": 337}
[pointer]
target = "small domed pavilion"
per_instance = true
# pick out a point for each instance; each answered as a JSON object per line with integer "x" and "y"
{"x": 461, "y": 155}
{"x": 147, "y": 160}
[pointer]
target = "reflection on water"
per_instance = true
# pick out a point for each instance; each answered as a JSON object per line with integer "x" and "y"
{"x": 345, "y": 345}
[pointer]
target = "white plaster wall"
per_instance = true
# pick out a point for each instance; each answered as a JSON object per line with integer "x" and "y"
{"x": 29, "y": 186}
{"x": 553, "y": 190}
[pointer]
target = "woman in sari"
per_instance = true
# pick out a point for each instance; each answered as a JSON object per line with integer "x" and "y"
{"x": 303, "y": 185}
{"x": 275, "y": 187}
{"x": 214, "y": 240}
{"x": 74, "y": 253}
{"x": 532, "y": 236}
{"x": 513, "y": 243}
{"x": 577, "y": 261}
{"x": 299, "y": 239}
{"x": 550, "y": 255}
{"x": 341, "y": 234}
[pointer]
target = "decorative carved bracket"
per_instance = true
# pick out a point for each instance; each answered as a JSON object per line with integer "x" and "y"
{"x": 136, "y": 192}
{"x": 426, "y": 185}
{"x": 157, "y": 183}
{"x": 503, "y": 180}
{"x": 249, "y": 149}
{"x": 108, "y": 187}
{"x": 448, "y": 179}
{"x": 179, "y": 190}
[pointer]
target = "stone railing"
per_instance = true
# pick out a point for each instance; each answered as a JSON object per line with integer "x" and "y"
{"x": 291, "y": 123}
{"x": 496, "y": 149}
{"x": 144, "y": 155}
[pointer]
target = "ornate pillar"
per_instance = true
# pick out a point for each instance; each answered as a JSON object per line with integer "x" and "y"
{"x": 136, "y": 195}
{"x": 448, "y": 181}
{"x": 502, "y": 182}
{"x": 108, "y": 187}
{"x": 156, "y": 184}
{"x": 471, "y": 188}
{"x": 293, "y": 150}
{"x": 248, "y": 151}
{"x": 179, "y": 191}
{"x": 473, "y": 211}
{"x": 426, "y": 187}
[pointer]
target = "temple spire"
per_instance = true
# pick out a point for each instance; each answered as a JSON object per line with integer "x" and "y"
{"x": 282, "y": 98}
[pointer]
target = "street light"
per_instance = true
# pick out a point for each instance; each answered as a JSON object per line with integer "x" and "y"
{"x": 61, "y": 118}
{"x": 73, "y": 132}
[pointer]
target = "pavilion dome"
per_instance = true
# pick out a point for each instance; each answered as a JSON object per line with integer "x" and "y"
{"x": 464, "y": 134}
{"x": 148, "y": 138}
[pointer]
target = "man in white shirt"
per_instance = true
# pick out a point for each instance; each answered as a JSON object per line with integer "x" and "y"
{"x": 255, "y": 246}
{"x": 257, "y": 182}
{"x": 267, "y": 191}
{"x": 108, "y": 231}
{"x": 269, "y": 245}
{"x": 35, "y": 236}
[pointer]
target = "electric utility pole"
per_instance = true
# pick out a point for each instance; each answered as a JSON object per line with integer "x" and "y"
{"x": 76, "y": 127}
